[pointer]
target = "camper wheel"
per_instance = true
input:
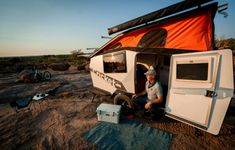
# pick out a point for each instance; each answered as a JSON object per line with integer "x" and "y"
{"x": 121, "y": 99}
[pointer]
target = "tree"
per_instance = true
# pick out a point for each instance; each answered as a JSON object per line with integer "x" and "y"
{"x": 76, "y": 53}
{"x": 223, "y": 43}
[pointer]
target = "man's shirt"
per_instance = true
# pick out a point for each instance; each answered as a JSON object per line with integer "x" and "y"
{"x": 153, "y": 91}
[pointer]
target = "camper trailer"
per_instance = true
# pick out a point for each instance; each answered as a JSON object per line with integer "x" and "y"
{"x": 197, "y": 80}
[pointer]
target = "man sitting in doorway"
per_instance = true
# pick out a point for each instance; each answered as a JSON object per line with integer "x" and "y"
{"x": 154, "y": 93}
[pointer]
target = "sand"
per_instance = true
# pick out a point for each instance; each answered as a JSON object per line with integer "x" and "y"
{"x": 57, "y": 121}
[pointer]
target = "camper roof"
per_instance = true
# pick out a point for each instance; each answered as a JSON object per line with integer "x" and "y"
{"x": 189, "y": 30}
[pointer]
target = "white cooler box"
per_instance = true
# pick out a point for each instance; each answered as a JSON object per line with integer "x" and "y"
{"x": 108, "y": 113}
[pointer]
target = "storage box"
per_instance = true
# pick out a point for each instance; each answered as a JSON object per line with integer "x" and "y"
{"x": 108, "y": 113}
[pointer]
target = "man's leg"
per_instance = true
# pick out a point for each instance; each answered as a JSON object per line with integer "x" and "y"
{"x": 139, "y": 102}
{"x": 156, "y": 111}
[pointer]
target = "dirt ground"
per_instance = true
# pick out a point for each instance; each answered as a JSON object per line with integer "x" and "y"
{"x": 57, "y": 121}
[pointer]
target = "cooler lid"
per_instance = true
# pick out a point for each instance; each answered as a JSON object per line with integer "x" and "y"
{"x": 109, "y": 108}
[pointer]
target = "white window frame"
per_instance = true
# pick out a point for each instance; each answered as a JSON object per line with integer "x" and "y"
{"x": 209, "y": 61}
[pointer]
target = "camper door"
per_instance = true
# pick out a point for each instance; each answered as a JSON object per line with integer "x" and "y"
{"x": 200, "y": 88}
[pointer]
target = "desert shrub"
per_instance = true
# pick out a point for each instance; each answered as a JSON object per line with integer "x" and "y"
{"x": 76, "y": 58}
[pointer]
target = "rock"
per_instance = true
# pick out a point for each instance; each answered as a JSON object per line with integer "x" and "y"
{"x": 81, "y": 67}
{"x": 61, "y": 66}
{"x": 26, "y": 76}
{"x": 65, "y": 94}
{"x": 84, "y": 66}
{"x": 72, "y": 68}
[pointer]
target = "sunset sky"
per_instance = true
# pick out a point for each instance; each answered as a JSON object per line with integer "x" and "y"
{"x": 41, "y": 27}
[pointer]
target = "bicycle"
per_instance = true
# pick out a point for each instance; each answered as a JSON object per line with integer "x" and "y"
{"x": 41, "y": 75}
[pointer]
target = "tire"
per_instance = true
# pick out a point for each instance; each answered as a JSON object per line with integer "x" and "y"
{"x": 121, "y": 99}
{"x": 46, "y": 75}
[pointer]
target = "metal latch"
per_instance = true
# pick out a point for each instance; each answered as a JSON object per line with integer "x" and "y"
{"x": 211, "y": 93}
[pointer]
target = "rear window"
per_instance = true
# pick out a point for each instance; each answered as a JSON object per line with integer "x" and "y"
{"x": 115, "y": 62}
{"x": 196, "y": 71}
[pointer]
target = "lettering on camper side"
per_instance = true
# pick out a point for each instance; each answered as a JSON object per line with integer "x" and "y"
{"x": 113, "y": 82}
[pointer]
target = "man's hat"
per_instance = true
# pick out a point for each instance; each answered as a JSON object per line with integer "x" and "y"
{"x": 150, "y": 71}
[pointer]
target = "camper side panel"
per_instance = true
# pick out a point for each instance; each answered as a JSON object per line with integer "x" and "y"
{"x": 105, "y": 76}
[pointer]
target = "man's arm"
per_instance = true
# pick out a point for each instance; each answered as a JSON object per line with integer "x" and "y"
{"x": 141, "y": 93}
{"x": 157, "y": 100}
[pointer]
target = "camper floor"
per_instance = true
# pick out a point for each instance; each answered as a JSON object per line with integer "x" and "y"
{"x": 58, "y": 121}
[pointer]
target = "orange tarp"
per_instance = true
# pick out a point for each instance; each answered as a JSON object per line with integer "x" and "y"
{"x": 189, "y": 33}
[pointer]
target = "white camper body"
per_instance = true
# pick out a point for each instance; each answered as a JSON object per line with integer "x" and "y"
{"x": 199, "y": 85}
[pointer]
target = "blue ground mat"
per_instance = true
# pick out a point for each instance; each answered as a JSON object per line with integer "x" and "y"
{"x": 21, "y": 103}
{"x": 128, "y": 135}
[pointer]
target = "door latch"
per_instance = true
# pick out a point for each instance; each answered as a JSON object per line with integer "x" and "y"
{"x": 211, "y": 93}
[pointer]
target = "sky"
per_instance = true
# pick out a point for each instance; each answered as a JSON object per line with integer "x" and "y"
{"x": 51, "y": 27}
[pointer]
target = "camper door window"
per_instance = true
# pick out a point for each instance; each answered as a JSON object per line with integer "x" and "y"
{"x": 115, "y": 62}
{"x": 194, "y": 70}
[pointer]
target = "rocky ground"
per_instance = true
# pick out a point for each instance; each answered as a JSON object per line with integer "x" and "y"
{"x": 57, "y": 121}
